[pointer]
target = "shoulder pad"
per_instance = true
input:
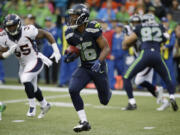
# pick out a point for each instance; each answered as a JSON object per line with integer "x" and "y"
{"x": 93, "y": 27}
{"x": 94, "y": 24}
{"x": 30, "y": 30}
{"x": 69, "y": 33}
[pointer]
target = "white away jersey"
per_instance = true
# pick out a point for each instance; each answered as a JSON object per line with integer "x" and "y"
{"x": 25, "y": 51}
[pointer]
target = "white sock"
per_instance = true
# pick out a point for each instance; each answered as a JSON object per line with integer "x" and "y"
{"x": 171, "y": 96}
{"x": 43, "y": 103}
{"x": 32, "y": 102}
{"x": 132, "y": 101}
{"x": 82, "y": 115}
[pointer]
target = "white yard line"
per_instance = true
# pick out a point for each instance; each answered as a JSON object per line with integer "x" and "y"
{"x": 85, "y": 91}
{"x": 24, "y": 100}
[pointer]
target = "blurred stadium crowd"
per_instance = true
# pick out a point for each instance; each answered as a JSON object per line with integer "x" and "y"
{"x": 113, "y": 16}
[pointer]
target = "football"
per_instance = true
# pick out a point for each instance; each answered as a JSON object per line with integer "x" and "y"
{"x": 72, "y": 49}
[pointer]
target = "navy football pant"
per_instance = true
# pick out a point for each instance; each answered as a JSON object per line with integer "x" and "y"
{"x": 80, "y": 78}
{"x": 148, "y": 58}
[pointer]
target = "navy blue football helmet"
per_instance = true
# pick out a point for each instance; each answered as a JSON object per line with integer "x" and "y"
{"x": 12, "y": 24}
{"x": 135, "y": 18}
{"x": 78, "y": 15}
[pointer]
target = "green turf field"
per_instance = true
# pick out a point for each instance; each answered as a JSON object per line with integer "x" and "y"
{"x": 110, "y": 120}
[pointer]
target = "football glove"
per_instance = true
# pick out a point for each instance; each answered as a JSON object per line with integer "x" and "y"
{"x": 56, "y": 54}
{"x": 96, "y": 66}
{"x": 70, "y": 57}
{"x": 10, "y": 51}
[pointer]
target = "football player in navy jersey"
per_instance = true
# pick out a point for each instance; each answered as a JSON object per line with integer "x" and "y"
{"x": 87, "y": 36}
{"x": 151, "y": 34}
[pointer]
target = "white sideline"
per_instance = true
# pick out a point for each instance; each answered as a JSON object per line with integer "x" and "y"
{"x": 85, "y": 91}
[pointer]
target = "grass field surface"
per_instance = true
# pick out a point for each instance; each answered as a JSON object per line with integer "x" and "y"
{"x": 105, "y": 120}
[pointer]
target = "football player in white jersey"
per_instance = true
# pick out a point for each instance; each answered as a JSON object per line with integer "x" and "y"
{"x": 20, "y": 40}
{"x": 144, "y": 78}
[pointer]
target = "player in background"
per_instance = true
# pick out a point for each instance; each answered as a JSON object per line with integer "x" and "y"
{"x": 151, "y": 35}
{"x": 145, "y": 77}
{"x": 87, "y": 36}
{"x": 20, "y": 40}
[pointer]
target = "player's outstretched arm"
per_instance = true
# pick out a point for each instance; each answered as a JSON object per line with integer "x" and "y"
{"x": 129, "y": 41}
{"x": 45, "y": 34}
{"x": 103, "y": 44}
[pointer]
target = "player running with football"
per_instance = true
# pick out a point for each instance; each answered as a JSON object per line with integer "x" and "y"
{"x": 151, "y": 35}
{"x": 144, "y": 78}
{"x": 20, "y": 40}
{"x": 87, "y": 36}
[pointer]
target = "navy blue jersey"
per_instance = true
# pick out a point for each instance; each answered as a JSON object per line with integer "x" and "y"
{"x": 86, "y": 42}
{"x": 150, "y": 35}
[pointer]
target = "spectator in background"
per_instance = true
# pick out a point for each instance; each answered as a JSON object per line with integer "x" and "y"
{"x": 95, "y": 4}
{"x": 131, "y": 6}
{"x": 31, "y": 19}
{"x": 48, "y": 50}
{"x": 147, "y": 4}
{"x": 49, "y": 4}
{"x": 41, "y": 12}
{"x": 167, "y": 3}
{"x": 113, "y": 24}
{"x": 107, "y": 13}
{"x": 12, "y": 6}
{"x": 93, "y": 9}
{"x": 175, "y": 10}
{"x": 172, "y": 23}
{"x": 159, "y": 9}
{"x": 167, "y": 50}
{"x": 61, "y": 5}
{"x": 26, "y": 7}
{"x": 122, "y": 15}
{"x": 140, "y": 9}
{"x": 117, "y": 56}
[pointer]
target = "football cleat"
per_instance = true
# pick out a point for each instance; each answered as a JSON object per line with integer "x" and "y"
{"x": 165, "y": 105}
{"x": 31, "y": 112}
{"x": 44, "y": 110}
{"x": 174, "y": 104}
{"x": 83, "y": 126}
{"x": 159, "y": 93}
{"x": 130, "y": 107}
